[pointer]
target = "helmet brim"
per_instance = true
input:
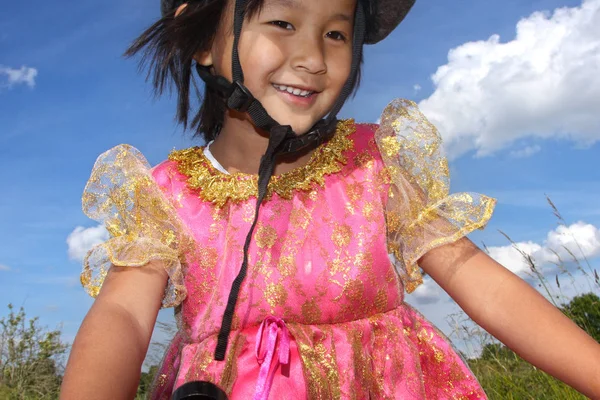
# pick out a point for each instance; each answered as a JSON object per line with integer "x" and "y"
{"x": 382, "y": 16}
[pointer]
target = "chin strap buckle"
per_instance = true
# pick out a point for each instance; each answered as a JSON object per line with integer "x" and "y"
{"x": 239, "y": 97}
{"x": 321, "y": 132}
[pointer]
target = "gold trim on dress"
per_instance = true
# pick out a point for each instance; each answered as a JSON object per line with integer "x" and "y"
{"x": 217, "y": 187}
{"x": 421, "y": 214}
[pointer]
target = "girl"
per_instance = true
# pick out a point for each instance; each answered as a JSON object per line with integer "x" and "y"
{"x": 289, "y": 284}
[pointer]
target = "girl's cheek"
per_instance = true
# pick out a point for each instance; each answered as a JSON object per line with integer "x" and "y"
{"x": 340, "y": 69}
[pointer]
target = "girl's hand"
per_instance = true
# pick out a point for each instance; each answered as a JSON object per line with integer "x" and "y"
{"x": 516, "y": 314}
{"x": 108, "y": 351}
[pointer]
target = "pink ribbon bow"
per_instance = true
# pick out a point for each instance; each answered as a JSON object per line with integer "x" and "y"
{"x": 275, "y": 329}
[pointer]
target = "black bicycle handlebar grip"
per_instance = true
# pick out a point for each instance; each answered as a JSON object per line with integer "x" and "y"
{"x": 199, "y": 390}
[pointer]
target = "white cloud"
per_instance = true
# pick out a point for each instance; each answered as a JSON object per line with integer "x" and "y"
{"x": 417, "y": 88}
{"x": 542, "y": 84}
{"x": 580, "y": 239}
{"x": 428, "y": 292}
{"x": 4, "y": 267}
{"x": 81, "y": 240}
{"x": 511, "y": 258}
{"x": 24, "y": 75}
{"x": 525, "y": 152}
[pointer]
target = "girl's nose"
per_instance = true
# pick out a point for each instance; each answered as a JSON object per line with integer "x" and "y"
{"x": 308, "y": 55}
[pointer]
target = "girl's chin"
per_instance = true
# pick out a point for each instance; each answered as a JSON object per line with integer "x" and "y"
{"x": 300, "y": 124}
{"x": 300, "y": 130}
{"x": 300, "y": 127}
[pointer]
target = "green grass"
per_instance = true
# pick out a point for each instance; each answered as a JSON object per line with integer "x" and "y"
{"x": 502, "y": 373}
{"x": 509, "y": 377}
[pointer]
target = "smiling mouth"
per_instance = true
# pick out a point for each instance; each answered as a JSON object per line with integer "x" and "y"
{"x": 294, "y": 90}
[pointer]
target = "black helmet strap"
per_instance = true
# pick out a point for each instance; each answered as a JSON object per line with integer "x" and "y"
{"x": 282, "y": 139}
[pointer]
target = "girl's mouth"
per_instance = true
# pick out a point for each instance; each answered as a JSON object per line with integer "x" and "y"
{"x": 294, "y": 90}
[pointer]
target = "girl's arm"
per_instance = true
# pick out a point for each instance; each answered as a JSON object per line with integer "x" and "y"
{"x": 516, "y": 314}
{"x": 108, "y": 351}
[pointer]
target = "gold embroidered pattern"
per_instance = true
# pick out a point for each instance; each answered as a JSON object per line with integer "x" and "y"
{"x": 142, "y": 223}
{"x": 319, "y": 361}
{"x": 421, "y": 214}
{"x": 341, "y": 235}
{"x": 365, "y": 380}
{"x": 311, "y": 312}
{"x": 218, "y": 188}
{"x": 265, "y": 236}
{"x": 275, "y": 294}
{"x": 230, "y": 371}
{"x": 286, "y": 266}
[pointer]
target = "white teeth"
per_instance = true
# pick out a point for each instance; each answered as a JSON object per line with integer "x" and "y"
{"x": 294, "y": 91}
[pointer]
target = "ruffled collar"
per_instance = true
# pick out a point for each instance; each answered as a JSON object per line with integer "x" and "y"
{"x": 218, "y": 188}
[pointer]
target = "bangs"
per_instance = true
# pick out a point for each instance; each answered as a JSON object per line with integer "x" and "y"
{"x": 253, "y": 7}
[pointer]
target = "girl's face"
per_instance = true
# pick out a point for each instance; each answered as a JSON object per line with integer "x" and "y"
{"x": 298, "y": 46}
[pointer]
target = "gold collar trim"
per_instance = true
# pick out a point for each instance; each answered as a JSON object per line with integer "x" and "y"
{"x": 217, "y": 187}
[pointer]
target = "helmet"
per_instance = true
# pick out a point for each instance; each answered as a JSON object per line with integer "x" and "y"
{"x": 373, "y": 21}
{"x": 382, "y": 16}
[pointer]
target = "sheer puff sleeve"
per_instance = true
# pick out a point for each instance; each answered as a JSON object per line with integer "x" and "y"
{"x": 142, "y": 224}
{"x": 421, "y": 213}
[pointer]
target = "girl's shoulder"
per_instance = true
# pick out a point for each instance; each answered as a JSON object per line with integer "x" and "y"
{"x": 165, "y": 174}
{"x": 364, "y": 135}
{"x": 421, "y": 213}
{"x": 124, "y": 194}
{"x": 124, "y": 168}
{"x": 366, "y": 129}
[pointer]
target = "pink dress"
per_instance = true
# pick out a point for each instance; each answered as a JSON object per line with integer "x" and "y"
{"x": 321, "y": 314}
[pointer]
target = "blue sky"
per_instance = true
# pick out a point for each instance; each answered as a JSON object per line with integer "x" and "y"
{"x": 518, "y": 112}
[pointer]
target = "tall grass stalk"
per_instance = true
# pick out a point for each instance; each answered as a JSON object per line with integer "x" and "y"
{"x": 501, "y": 372}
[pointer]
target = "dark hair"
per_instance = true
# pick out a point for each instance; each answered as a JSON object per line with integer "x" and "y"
{"x": 168, "y": 48}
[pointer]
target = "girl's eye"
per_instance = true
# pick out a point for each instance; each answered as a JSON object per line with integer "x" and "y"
{"x": 335, "y": 35}
{"x": 282, "y": 25}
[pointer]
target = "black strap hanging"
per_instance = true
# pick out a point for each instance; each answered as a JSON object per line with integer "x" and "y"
{"x": 238, "y": 20}
{"x": 267, "y": 165}
{"x": 282, "y": 139}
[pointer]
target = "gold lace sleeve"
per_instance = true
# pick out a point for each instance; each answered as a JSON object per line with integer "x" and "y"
{"x": 142, "y": 224}
{"x": 421, "y": 213}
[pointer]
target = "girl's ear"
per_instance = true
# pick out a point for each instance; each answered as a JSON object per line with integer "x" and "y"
{"x": 203, "y": 58}
{"x": 180, "y": 9}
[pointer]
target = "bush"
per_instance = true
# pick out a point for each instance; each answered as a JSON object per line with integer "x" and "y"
{"x": 584, "y": 310}
{"x": 30, "y": 358}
